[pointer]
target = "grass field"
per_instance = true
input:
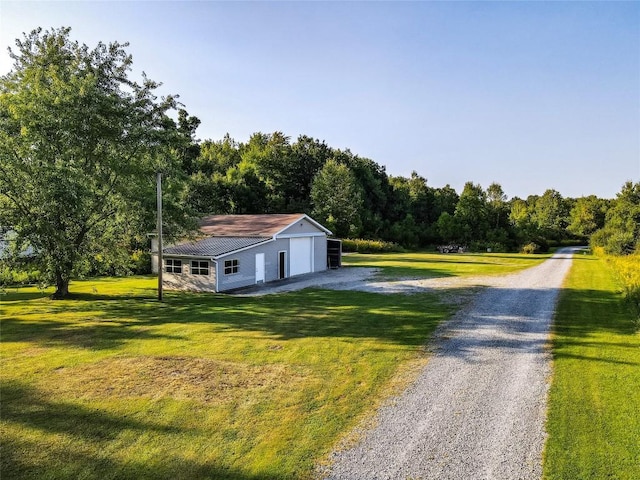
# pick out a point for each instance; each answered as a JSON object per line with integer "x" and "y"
{"x": 594, "y": 404}
{"x": 112, "y": 384}
{"x": 424, "y": 265}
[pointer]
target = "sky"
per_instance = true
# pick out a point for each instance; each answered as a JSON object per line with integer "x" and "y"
{"x": 531, "y": 95}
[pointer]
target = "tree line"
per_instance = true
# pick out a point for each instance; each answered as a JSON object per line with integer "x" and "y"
{"x": 81, "y": 143}
{"x": 355, "y": 197}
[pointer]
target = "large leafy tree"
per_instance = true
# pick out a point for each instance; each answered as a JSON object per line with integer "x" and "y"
{"x": 551, "y": 215}
{"x": 337, "y": 199}
{"x": 80, "y": 143}
{"x": 472, "y": 213}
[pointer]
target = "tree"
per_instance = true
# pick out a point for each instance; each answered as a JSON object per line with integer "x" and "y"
{"x": 496, "y": 198}
{"x": 337, "y": 199}
{"x": 80, "y": 144}
{"x": 376, "y": 191}
{"x": 471, "y": 213}
{"x": 621, "y": 232}
{"x": 587, "y": 215}
{"x": 551, "y": 215}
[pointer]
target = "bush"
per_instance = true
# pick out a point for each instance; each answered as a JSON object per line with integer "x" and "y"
{"x": 14, "y": 277}
{"x": 360, "y": 245}
{"x": 531, "y": 248}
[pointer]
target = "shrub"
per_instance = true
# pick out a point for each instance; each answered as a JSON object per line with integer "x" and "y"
{"x": 14, "y": 277}
{"x": 531, "y": 248}
{"x": 360, "y": 245}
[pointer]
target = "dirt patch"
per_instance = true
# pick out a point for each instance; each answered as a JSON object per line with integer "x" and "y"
{"x": 199, "y": 379}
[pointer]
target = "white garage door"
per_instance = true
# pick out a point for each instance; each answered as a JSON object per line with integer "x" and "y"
{"x": 300, "y": 254}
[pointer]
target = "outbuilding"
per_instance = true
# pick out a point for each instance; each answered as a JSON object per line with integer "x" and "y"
{"x": 234, "y": 251}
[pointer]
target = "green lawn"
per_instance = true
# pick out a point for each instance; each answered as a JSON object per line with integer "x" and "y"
{"x": 594, "y": 403}
{"x": 112, "y": 384}
{"x": 421, "y": 264}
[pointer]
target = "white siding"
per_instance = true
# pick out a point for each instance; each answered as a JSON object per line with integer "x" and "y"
{"x": 187, "y": 281}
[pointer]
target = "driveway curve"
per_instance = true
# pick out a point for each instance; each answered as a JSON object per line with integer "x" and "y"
{"x": 477, "y": 409}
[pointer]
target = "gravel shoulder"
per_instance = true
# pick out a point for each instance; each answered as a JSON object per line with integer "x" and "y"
{"x": 477, "y": 409}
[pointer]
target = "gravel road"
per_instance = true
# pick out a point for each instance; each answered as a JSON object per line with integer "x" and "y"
{"x": 477, "y": 409}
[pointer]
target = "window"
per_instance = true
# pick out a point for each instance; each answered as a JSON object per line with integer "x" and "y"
{"x": 172, "y": 266}
{"x": 199, "y": 267}
{"x": 230, "y": 267}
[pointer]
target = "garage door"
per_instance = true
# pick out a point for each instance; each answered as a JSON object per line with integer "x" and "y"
{"x": 300, "y": 255}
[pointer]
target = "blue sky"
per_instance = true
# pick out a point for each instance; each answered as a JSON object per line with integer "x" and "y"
{"x": 532, "y": 95}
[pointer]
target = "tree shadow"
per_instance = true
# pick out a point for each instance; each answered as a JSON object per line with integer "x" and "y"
{"x": 99, "y": 333}
{"x": 406, "y": 319}
{"x": 29, "y": 408}
{"x": 110, "y": 321}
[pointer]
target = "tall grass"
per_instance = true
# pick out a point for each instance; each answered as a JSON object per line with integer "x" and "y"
{"x": 627, "y": 271}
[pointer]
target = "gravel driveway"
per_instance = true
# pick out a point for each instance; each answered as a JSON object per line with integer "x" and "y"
{"x": 477, "y": 409}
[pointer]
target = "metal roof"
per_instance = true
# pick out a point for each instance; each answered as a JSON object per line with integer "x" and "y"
{"x": 265, "y": 225}
{"x": 214, "y": 246}
{"x": 262, "y": 225}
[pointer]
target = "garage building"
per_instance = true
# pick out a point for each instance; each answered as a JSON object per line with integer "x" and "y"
{"x": 234, "y": 251}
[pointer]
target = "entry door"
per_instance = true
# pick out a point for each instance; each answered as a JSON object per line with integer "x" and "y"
{"x": 282, "y": 265}
{"x": 259, "y": 267}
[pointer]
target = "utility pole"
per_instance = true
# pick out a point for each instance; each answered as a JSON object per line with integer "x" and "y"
{"x": 159, "y": 229}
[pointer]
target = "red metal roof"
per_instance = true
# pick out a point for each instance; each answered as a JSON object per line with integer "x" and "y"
{"x": 265, "y": 225}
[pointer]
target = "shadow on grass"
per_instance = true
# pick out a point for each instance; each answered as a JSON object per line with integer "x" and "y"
{"x": 591, "y": 323}
{"x": 110, "y": 321}
{"x": 25, "y": 405}
{"x": 24, "y": 457}
{"x": 98, "y": 333}
{"x": 399, "y": 319}
{"x": 581, "y": 320}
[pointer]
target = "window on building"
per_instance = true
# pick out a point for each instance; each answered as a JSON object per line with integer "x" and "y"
{"x": 230, "y": 267}
{"x": 172, "y": 265}
{"x": 199, "y": 267}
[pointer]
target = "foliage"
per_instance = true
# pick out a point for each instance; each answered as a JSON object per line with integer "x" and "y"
{"x": 551, "y": 214}
{"x": 113, "y": 385}
{"x": 587, "y": 215}
{"x": 627, "y": 271}
{"x": 337, "y": 199}
{"x": 471, "y": 214}
{"x": 531, "y": 248}
{"x": 370, "y": 204}
{"x": 80, "y": 143}
{"x": 593, "y": 420}
{"x": 11, "y": 276}
{"x": 361, "y": 245}
{"x": 620, "y": 234}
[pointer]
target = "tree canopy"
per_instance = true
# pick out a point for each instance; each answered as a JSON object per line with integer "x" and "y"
{"x": 80, "y": 142}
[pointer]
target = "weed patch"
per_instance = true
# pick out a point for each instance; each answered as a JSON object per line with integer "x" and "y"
{"x": 180, "y": 378}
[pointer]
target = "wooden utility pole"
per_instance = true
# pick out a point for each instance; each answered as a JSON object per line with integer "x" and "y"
{"x": 159, "y": 229}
